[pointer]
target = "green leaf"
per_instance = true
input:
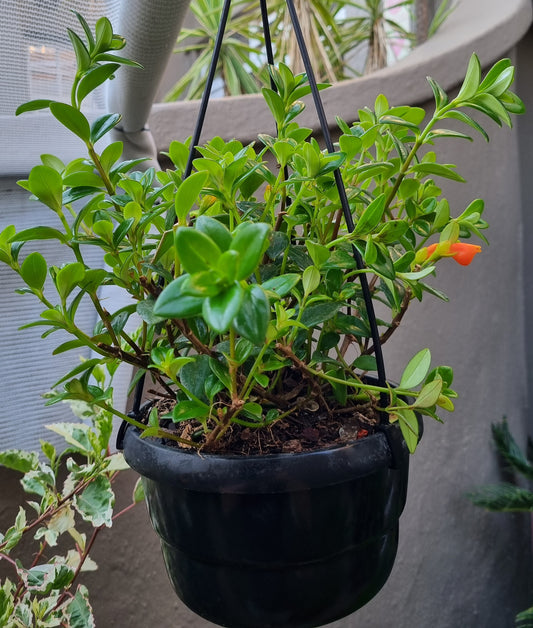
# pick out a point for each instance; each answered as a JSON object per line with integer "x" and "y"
{"x": 429, "y": 394}
{"x": 47, "y": 185}
{"x": 416, "y": 370}
{"x": 95, "y": 503}
{"x": 19, "y": 460}
{"x": 282, "y": 284}
{"x": 466, "y": 119}
{"x": 83, "y": 58}
{"x": 39, "y": 233}
{"x": 252, "y": 318}
{"x": 503, "y": 497}
{"x": 221, "y": 372}
{"x": 371, "y": 217}
{"x": 75, "y": 434}
{"x": 220, "y": 311}
{"x": 197, "y": 251}
{"x": 94, "y": 78}
{"x": 79, "y": 612}
{"x": 189, "y": 409}
{"x": 33, "y": 105}
{"x": 72, "y": 118}
{"x": 318, "y": 253}
{"x": 138, "y": 491}
{"x": 187, "y": 194}
{"x": 409, "y": 427}
{"x": 366, "y": 363}
{"x": 440, "y": 170}
{"x": 275, "y": 104}
{"x": 172, "y": 303}
{"x": 68, "y": 278}
{"x": 319, "y": 312}
{"x": 103, "y": 125}
{"x": 250, "y": 240}
{"x": 310, "y": 279}
{"x": 213, "y": 228}
{"x": 104, "y": 35}
{"x": 33, "y": 270}
{"x": 472, "y": 79}
{"x": 441, "y": 98}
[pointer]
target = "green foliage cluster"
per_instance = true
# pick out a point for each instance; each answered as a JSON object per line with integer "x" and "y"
{"x": 506, "y": 496}
{"x": 242, "y": 273}
{"x": 62, "y": 519}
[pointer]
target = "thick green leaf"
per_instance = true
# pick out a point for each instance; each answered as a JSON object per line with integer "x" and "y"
{"x": 47, "y": 185}
{"x": 472, "y": 79}
{"x": 429, "y": 394}
{"x": 39, "y": 233}
{"x": 94, "y": 78}
{"x": 282, "y": 284}
{"x": 371, "y": 217}
{"x": 83, "y": 58}
{"x": 440, "y": 170}
{"x": 103, "y": 125}
{"x": 275, "y": 104}
{"x": 187, "y": 195}
{"x": 416, "y": 370}
{"x": 34, "y": 270}
{"x": 310, "y": 279}
{"x": 251, "y": 320}
{"x": 197, "y": 251}
{"x": 409, "y": 427}
{"x": 172, "y": 303}
{"x": 68, "y": 278}
{"x": 213, "y": 228}
{"x": 250, "y": 240}
{"x": 319, "y": 312}
{"x": 72, "y": 118}
{"x": 33, "y": 105}
{"x": 189, "y": 409}
{"x": 220, "y": 311}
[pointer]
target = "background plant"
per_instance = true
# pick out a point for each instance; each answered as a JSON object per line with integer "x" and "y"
{"x": 63, "y": 518}
{"x": 243, "y": 275}
{"x": 331, "y": 31}
{"x": 507, "y": 496}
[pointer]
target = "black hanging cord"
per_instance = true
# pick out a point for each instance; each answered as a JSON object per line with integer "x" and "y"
{"x": 208, "y": 86}
{"x": 382, "y": 379}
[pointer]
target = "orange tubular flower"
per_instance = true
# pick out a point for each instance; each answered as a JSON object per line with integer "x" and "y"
{"x": 461, "y": 252}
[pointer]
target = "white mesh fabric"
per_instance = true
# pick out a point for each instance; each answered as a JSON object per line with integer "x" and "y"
{"x": 37, "y": 61}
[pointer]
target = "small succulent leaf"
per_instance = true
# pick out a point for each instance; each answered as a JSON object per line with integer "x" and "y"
{"x": 33, "y": 105}
{"x": 47, "y": 185}
{"x": 429, "y": 394}
{"x": 196, "y": 250}
{"x": 310, "y": 279}
{"x": 68, "y": 278}
{"x": 371, "y": 216}
{"x": 440, "y": 170}
{"x": 416, "y": 370}
{"x": 275, "y": 104}
{"x": 172, "y": 303}
{"x": 94, "y": 78}
{"x": 213, "y": 228}
{"x": 472, "y": 79}
{"x": 72, "y": 118}
{"x": 318, "y": 313}
{"x": 317, "y": 252}
{"x": 83, "y": 57}
{"x": 408, "y": 424}
{"x": 250, "y": 240}
{"x": 220, "y": 311}
{"x": 34, "y": 270}
{"x": 282, "y": 284}
{"x": 103, "y": 125}
{"x": 187, "y": 195}
{"x": 251, "y": 321}
{"x": 189, "y": 409}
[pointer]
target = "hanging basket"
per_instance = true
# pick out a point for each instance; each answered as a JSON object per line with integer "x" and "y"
{"x": 288, "y": 540}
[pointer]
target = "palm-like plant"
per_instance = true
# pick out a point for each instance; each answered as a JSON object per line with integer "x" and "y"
{"x": 235, "y": 66}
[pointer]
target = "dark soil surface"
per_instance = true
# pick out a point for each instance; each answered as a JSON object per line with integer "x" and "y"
{"x": 305, "y": 431}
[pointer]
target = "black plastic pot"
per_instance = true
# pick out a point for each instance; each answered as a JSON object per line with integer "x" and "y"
{"x": 289, "y": 540}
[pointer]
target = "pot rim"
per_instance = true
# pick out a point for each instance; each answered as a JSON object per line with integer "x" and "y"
{"x": 270, "y": 473}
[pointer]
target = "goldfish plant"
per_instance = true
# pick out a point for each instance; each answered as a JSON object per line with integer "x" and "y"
{"x": 241, "y": 271}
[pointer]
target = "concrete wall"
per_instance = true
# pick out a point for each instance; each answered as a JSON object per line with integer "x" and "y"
{"x": 457, "y": 566}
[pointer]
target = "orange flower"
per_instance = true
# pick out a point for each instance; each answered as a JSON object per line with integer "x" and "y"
{"x": 461, "y": 252}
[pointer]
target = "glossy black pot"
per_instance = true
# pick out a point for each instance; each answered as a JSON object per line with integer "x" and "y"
{"x": 289, "y": 540}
